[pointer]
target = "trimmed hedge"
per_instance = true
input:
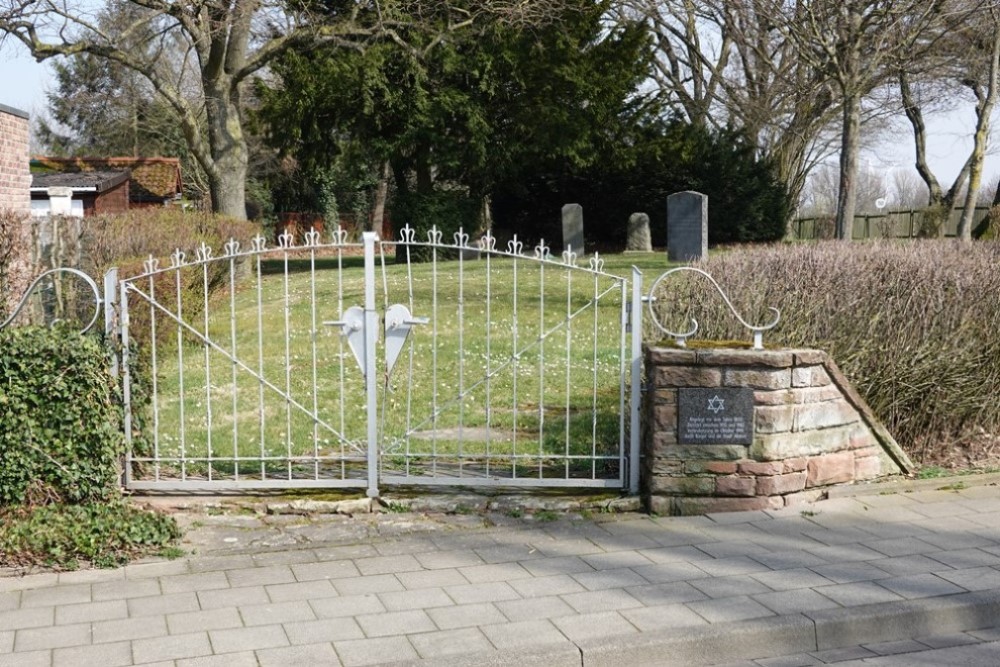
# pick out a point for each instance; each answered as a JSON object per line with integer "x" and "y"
{"x": 60, "y": 419}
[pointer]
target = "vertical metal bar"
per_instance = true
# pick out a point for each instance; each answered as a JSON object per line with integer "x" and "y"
{"x": 489, "y": 325}
{"x": 180, "y": 370}
{"x": 409, "y": 377}
{"x": 208, "y": 371}
{"x": 232, "y": 343}
{"x": 153, "y": 375}
{"x": 624, "y": 328}
{"x": 435, "y": 240}
{"x": 593, "y": 405}
{"x": 635, "y": 376}
{"x": 516, "y": 358}
{"x": 312, "y": 341}
{"x": 541, "y": 365}
{"x": 127, "y": 385}
{"x": 260, "y": 362}
{"x": 111, "y": 330}
{"x": 569, "y": 363}
{"x": 288, "y": 371}
{"x": 371, "y": 338}
{"x": 461, "y": 353}
{"x": 341, "y": 356}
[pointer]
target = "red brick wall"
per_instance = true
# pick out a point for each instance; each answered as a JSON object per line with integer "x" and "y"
{"x": 111, "y": 201}
{"x": 15, "y": 178}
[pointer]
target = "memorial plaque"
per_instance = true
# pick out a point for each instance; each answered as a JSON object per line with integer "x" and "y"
{"x": 715, "y": 416}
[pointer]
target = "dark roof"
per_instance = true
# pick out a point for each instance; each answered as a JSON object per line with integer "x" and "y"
{"x": 14, "y": 112}
{"x": 153, "y": 179}
{"x": 100, "y": 180}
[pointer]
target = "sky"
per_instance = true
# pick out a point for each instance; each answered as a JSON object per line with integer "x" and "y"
{"x": 23, "y": 84}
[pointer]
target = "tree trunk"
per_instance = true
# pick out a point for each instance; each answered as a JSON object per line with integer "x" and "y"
{"x": 850, "y": 147}
{"x": 984, "y": 110}
{"x": 228, "y": 171}
{"x": 425, "y": 178}
{"x": 227, "y": 188}
{"x": 975, "y": 178}
{"x": 381, "y": 194}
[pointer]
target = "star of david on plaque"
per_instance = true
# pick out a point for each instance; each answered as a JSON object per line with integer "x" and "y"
{"x": 716, "y": 404}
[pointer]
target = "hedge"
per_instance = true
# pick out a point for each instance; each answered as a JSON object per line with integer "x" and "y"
{"x": 61, "y": 438}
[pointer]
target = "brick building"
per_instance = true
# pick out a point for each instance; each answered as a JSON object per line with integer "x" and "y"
{"x": 151, "y": 181}
{"x": 15, "y": 177}
{"x": 80, "y": 194}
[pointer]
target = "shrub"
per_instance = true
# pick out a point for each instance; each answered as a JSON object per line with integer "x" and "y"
{"x": 105, "y": 534}
{"x": 60, "y": 420}
{"x": 61, "y": 444}
{"x": 127, "y": 240}
{"x": 449, "y": 210}
{"x": 912, "y": 324}
{"x": 12, "y": 278}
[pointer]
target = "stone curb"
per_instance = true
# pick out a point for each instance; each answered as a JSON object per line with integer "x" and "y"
{"x": 889, "y": 486}
{"x": 544, "y": 655}
{"x": 891, "y": 621}
{"x": 756, "y": 639}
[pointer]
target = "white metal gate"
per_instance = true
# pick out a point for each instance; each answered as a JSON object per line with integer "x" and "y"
{"x": 326, "y": 365}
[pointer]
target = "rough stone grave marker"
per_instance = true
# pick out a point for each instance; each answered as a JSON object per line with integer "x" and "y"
{"x": 639, "y": 239}
{"x": 687, "y": 227}
{"x": 572, "y": 227}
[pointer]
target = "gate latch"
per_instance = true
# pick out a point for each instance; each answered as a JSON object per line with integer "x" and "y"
{"x": 352, "y": 327}
{"x": 398, "y": 322}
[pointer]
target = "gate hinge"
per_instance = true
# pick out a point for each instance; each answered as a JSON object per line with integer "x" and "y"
{"x": 628, "y": 311}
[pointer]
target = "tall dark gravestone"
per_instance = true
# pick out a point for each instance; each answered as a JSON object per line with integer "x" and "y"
{"x": 687, "y": 227}
{"x": 572, "y": 227}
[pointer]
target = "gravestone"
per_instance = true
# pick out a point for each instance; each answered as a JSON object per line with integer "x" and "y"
{"x": 639, "y": 239}
{"x": 687, "y": 227}
{"x": 572, "y": 227}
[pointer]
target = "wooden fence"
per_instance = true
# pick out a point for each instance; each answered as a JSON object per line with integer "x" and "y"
{"x": 900, "y": 224}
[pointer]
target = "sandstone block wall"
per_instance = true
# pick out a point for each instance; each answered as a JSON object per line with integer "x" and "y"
{"x": 15, "y": 177}
{"x": 811, "y": 430}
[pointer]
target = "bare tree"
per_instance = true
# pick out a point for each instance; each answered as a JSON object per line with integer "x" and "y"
{"x": 216, "y": 46}
{"x": 965, "y": 64}
{"x": 725, "y": 63}
{"x": 909, "y": 191}
{"x": 984, "y": 81}
{"x": 822, "y": 190}
{"x": 858, "y": 44}
{"x": 988, "y": 192}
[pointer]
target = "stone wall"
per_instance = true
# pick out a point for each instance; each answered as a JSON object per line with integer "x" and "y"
{"x": 811, "y": 430}
{"x": 15, "y": 177}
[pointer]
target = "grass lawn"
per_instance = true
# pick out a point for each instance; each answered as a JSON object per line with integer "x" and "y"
{"x": 518, "y": 371}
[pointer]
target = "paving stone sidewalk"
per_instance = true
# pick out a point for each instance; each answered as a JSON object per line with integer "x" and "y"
{"x": 496, "y": 589}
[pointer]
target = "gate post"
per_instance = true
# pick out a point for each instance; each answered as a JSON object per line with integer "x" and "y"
{"x": 636, "y": 377}
{"x": 111, "y": 330}
{"x": 371, "y": 340}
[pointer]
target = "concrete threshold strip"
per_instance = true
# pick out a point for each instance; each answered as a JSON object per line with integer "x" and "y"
{"x": 756, "y": 639}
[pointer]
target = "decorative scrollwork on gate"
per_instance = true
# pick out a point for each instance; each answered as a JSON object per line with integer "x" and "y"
{"x": 76, "y": 272}
{"x": 681, "y": 337}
